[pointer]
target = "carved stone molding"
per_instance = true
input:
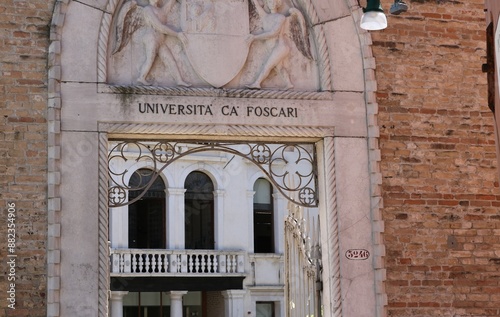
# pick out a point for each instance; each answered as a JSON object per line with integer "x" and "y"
{"x": 216, "y": 130}
{"x": 331, "y": 247}
{"x": 217, "y": 92}
{"x": 103, "y": 217}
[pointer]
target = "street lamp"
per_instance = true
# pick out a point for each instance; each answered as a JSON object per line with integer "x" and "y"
{"x": 374, "y": 19}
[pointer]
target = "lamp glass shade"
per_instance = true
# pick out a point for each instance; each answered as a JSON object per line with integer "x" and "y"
{"x": 373, "y": 20}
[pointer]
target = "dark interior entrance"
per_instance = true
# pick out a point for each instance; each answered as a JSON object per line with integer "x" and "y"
{"x": 199, "y": 211}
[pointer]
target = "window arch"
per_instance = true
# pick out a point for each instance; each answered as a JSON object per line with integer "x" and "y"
{"x": 263, "y": 224}
{"x": 199, "y": 211}
{"x": 146, "y": 217}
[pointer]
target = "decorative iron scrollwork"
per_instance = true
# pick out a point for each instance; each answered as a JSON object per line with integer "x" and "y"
{"x": 290, "y": 167}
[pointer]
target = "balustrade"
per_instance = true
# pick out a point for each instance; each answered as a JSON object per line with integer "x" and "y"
{"x": 168, "y": 262}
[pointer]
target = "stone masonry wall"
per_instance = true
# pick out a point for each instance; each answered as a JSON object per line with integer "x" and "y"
{"x": 440, "y": 186}
{"x": 24, "y": 38}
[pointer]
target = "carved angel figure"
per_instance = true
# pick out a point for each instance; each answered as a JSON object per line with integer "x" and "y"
{"x": 151, "y": 20}
{"x": 283, "y": 30}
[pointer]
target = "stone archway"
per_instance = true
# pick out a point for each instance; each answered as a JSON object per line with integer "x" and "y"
{"x": 84, "y": 110}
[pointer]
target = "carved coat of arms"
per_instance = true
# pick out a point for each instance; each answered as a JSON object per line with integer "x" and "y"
{"x": 219, "y": 40}
{"x": 216, "y": 38}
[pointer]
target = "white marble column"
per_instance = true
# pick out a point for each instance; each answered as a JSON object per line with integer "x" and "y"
{"x": 118, "y": 227}
{"x": 116, "y": 299}
{"x": 249, "y": 220}
{"x": 219, "y": 219}
{"x": 279, "y": 214}
{"x": 176, "y": 303}
{"x": 234, "y": 303}
{"x": 175, "y": 219}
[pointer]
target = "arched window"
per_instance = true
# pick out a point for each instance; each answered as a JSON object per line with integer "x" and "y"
{"x": 146, "y": 217}
{"x": 199, "y": 211}
{"x": 263, "y": 225}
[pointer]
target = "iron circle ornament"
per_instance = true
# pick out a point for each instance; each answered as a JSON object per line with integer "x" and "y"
{"x": 164, "y": 152}
{"x": 116, "y": 195}
{"x": 307, "y": 196}
{"x": 261, "y": 153}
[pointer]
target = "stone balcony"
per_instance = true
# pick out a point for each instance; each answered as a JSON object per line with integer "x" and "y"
{"x": 160, "y": 262}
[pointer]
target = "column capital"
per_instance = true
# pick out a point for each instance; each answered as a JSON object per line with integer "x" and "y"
{"x": 175, "y": 191}
{"x": 177, "y": 294}
{"x": 117, "y": 295}
{"x": 233, "y": 293}
{"x": 116, "y": 301}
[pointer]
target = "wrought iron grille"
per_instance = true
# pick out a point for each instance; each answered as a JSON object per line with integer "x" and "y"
{"x": 291, "y": 167}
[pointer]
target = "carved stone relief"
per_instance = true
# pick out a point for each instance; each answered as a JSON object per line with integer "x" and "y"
{"x": 282, "y": 29}
{"x": 151, "y": 21}
{"x": 231, "y": 44}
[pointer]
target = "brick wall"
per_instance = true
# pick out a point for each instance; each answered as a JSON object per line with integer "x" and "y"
{"x": 24, "y": 30}
{"x": 440, "y": 189}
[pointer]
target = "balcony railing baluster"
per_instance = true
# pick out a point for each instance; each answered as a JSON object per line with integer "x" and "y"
{"x": 171, "y": 262}
{"x": 215, "y": 265}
